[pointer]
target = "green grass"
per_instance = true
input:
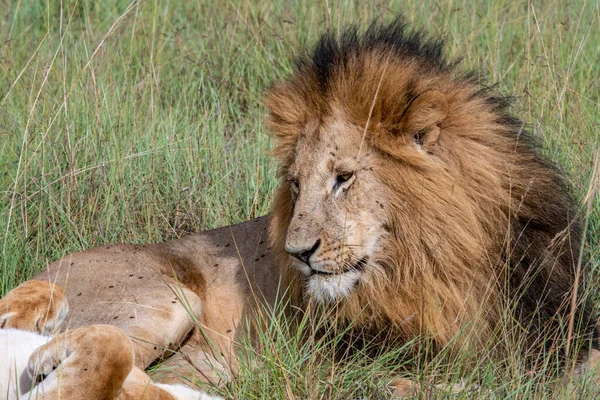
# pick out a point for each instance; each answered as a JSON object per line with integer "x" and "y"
{"x": 141, "y": 121}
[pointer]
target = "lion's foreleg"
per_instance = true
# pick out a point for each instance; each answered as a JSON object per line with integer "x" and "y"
{"x": 34, "y": 306}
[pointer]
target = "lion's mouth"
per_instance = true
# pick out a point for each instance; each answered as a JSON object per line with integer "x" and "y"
{"x": 327, "y": 287}
{"x": 359, "y": 266}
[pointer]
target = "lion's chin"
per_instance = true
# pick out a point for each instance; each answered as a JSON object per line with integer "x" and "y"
{"x": 331, "y": 288}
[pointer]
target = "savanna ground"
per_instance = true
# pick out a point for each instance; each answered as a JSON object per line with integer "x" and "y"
{"x": 141, "y": 121}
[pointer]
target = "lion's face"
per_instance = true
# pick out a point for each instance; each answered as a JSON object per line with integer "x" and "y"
{"x": 337, "y": 221}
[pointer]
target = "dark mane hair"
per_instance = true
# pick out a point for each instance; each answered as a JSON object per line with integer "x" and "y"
{"x": 331, "y": 53}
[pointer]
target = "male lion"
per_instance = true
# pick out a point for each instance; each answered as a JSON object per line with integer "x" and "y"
{"x": 410, "y": 201}
{"x": 415, "y": 202}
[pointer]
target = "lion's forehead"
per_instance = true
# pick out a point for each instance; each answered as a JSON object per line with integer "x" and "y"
{"x": 333, "y": 143}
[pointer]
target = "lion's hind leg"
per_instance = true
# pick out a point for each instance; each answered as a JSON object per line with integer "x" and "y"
{"x": 85, "y": 363}
{"x": 35, "y": 306}
{"x": 94, "y": 362}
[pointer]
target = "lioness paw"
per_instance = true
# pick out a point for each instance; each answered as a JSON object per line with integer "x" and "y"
{"x": 402, "y": 388}
{"x": 43, "y": 362}
{"x": 36, "y": 306}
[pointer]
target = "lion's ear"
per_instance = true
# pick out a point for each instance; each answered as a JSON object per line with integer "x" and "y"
{"x": 419, "y": 126}
{"x": 422, "y": 118}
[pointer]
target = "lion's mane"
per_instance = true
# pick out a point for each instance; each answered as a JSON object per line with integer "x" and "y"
{"x": 483, "y": 225}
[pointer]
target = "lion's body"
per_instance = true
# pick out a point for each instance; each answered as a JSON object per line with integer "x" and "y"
{"x": 158, "y": 293}
{"x": 410, "y": 200}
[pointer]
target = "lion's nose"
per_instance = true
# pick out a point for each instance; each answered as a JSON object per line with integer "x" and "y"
{"x": 304, "y": 255}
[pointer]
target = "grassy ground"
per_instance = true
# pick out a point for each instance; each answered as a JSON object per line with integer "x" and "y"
{"x": 139, "y": 121}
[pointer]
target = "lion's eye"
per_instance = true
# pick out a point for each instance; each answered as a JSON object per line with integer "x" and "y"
{"x": 343, "y": 179}
{"x": 294, "y": 185}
